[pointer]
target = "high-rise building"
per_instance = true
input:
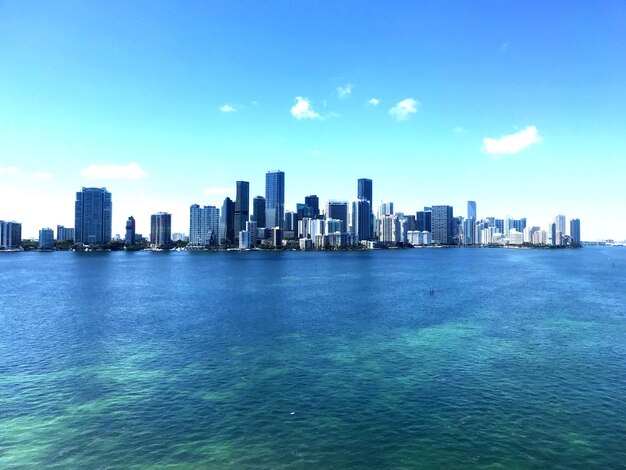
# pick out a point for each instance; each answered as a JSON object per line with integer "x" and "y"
{"x": 443, "y": 225}
{"x": 362, "y": 219}
{"x": 227, "y": 222}
{"x": 471, "y": 210}
{"x": 130, "y": 238}
{"x": 386, "y": 208}
{"x": 64, "y": 234}
{"x": 338, "y": 210}
{"x": 93, "y": 212}
{"x": 10, "y": 235}
{"x": 275, "y": 199}
{"x": 574, "y": 231}
{"x": 242, "y": 206}
{"x": 204, "y": 225}
{"x": 161, "y": 229}
{"x": 423, "y": 219}
{"x": 559, "y": 220}
{"x": 258, "y": 211}
{"x": 365, "y": 190}
{"x": 314, "y": 203}
{"x": 46, "y": 239}
{"x": 552, "y": 234}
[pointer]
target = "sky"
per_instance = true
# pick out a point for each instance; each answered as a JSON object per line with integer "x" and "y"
{"x": 518, "y": 105}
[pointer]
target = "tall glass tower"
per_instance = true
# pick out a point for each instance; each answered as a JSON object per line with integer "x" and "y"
{"x": 242, "y": 207}
{"x": 365, "y": 190}
{"x": 275, "y": 199}
{"x": 93, "y": 215}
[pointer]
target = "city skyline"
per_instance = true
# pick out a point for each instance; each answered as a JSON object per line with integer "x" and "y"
{"x": 451, "y": 103}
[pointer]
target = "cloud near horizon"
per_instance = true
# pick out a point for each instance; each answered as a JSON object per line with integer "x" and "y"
{"x": 228, "y": 109}
{"x": 303, "y": 109}
{"x": 42, "y": 175}
{"x": 404, "y": 109}
{"x": 132, "y": 171}
{"x": 512, "y": 143}
{"x": 373, "y": 101}
{"x": 9, "y": 170}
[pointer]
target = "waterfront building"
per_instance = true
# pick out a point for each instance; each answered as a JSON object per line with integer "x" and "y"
{"x": 362, "y": 218}
{"x": 291, "y": 221}
{"x": 574, "y": 231}
{"x": 93, "y": 212}
{"x": 227, "y": 223}
{"x": 46, "y": 239}
{"x": 442, "y": 225}
{"x": 176, "y": 237}
{"x": 277, "y": 237}
{"x": 333, "y": 225}
{"x": 161, "y": 229}
{"x": 306, "y": 244}
{"x": 252, "y": 229}
{"x": 423, "y": 220}
{"x": 275, "y": 199}
{"x": 304, "y": 228}
{"x": 559, "y": 220}
{"x": 552, "y": 239}
{"x": 515, "y": 237}
{"x": 130, "y": 238}
{"x": 386, "y": 208}
{"x": 242, "y": 207}
{"x": 258, "y": 211}
{"x": 314, "y": 203}
{"x": 243, "y": 238}
{"x": 64, "y": 234}
{"x": 10, "y": 235}
{"x": 499, "y": 226}
{"x": 318, "y": 227}
{"x": 338, "y": 210}
{"x": 204, "y": 225}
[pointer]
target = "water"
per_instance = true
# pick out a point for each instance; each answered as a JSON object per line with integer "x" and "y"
{"x": 314, "y": 360}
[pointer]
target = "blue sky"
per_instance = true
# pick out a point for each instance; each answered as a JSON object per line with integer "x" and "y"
{"x": 168, "y": 104}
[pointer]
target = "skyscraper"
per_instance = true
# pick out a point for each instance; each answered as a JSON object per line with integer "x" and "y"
{"x": 423, "y": 220}
{"x": 204, "y": 224}
{"x": 242, "y": 207}
{"x": 471, "y": 210}
{"x": 64, "y": 233}
{"x": 258, "y": 214}
{"x": 129, "y": 239}
{"x": 442, "y": 225}
{"x": 559, "y": 220}
{"x": 314, "y": 203}
{"x": 161, "y": 229}
{"x": 338, "y": 210}
{"x": 574, "y": 231}
{"x": 275, "y": 199}
{"x": 362, "y": 219}
{"x": 365, "y": 189}
{"x": 93, "y": 212}
{"x": 227, "y": 222}
{"x": 10, "y": 235}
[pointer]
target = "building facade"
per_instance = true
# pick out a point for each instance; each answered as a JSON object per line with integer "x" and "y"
{"x": 93, "y": 216}
{"x": 275, "y": 199}
{"x": 204, "y": 225}
{"x": 242, "y": 207}
{"x": 442, "y": 225}
{"x": 161, "y": 229}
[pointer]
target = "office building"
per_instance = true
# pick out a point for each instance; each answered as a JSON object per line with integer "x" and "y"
{"x": 471, "y": 210}
{"x": 242, "y": 206}
{"x": 227, "y": 222}
{"x": 559, "y": 220}
{"x": 93, "y": 212}
{"x": 442, "y": 225}
{"x": 338, "y": 210}
{"x": 46, "y": 239}
{"x": 275, "y": 199}
{"x": 10, "y": 235}
{"x": 130, "y": 238}
{"x": 258, "y": 211}
{"x": 161, "y": 229}
{"x": 314, "y": 203}
{"x": 204, "y": 225}
{"x": 365, "y": 190}
{"x": 363, "y": 218}
{"x": 423, "y": 220}
{"x": 64, "y": 234}
{"x": 574, "y": 231}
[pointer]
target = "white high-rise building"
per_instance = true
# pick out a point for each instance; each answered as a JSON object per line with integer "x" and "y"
{"x": 204, "y": 225}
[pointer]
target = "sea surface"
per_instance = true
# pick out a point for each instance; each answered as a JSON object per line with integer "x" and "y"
{"x": 517, "y": 360}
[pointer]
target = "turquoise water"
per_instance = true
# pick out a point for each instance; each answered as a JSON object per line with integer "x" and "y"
{"x": 314, "y": 360}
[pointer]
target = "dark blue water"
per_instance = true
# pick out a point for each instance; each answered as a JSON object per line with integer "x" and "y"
{"x": 314, "y": 360}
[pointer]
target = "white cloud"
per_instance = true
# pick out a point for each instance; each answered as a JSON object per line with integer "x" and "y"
{"x": 303, "y": 109}
{"x": 227, "y": 109}
{"x": 344, "y": 92}
{"x": 373, "y": 101}
{"x": 219, "y": 191}
{"x": 403, "y": 110}
{"x": 132, "y": 171}
{"x": 9, "y": 170}
{"x": 42, "y": 175}
{"x": 513, "y": 143}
